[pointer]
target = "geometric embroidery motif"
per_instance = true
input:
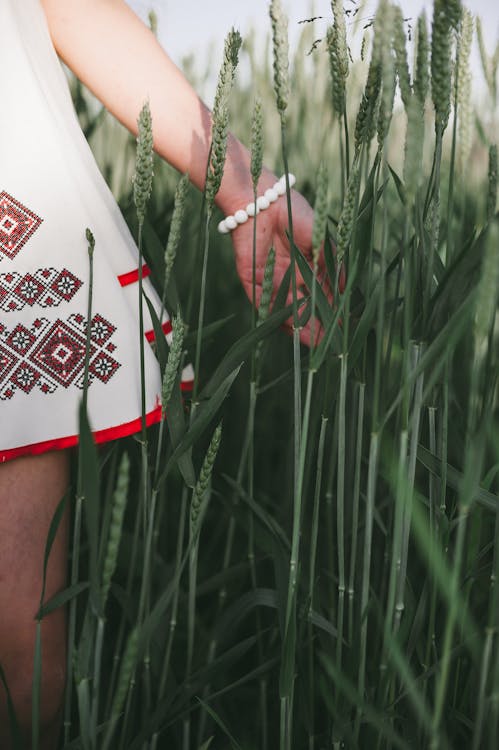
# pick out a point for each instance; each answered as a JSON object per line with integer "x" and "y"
{"x": 49, "y": 355}
{"x": 17, "y": 225}
{"x": 46, "y": 287}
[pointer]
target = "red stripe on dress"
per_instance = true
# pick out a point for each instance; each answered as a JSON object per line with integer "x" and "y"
{"x": 132, "y": 276}
{"x": 151, "y": 336}
{"x": 100, "y": 436}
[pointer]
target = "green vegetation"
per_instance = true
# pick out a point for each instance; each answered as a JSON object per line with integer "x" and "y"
{"x": 321, "y": 571}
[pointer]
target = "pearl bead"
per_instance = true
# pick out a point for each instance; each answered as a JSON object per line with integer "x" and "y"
{"x": 271, "y": 195}
{"x": 241, "y": 216}
{"x": 250, "y": 209}
{"x": 222, "y": 228}
{"x": 230, "y": 222}
{"x": 291, "y": 179}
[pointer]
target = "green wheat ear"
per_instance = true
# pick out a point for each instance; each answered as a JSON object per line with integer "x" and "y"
{"x": 267, "y": 287}
{"x": 204, "y": 479}
{"x": 345, "y": 224}
{"x": 90, "y": 241}
{"x": 365, "y": 124}
{"x": 265, "y": 300}
{"x": 338, "y": 57}
{"x": 384, "y": 30}
{"x": 256, "y": 143}
{"x": 421, "y": 76}
{"x": 463, "y": 85}
{"x": 126, "y": 672}
{"x": 175, "y": 226}
{"x": 320, "y": 212}
{"x": 279, "y": 24}
{"x": 220, "y": 117}
{"x": 446, "y": 16}
{"x": 153, "y": 22}
{"x": 400, "y": 49}
{"x": 454, "y": 12}
{"x": 173, "y": 362}
{"x": 232, "y": 45}
{"x": 142, "y": 178}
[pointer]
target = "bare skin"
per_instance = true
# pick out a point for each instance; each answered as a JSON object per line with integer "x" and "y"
{"x": 119, "y": 59}
{"x": 30, "y": 489}
{"x": 127, "y": 67}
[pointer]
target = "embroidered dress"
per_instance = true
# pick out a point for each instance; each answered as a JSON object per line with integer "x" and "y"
{"x": 51, "y": 190}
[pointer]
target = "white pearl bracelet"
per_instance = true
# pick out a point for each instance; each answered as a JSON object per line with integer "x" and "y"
{"x": 262, "y": 202}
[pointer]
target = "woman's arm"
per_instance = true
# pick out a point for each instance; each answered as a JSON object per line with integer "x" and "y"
{"x": 109, "y": 48}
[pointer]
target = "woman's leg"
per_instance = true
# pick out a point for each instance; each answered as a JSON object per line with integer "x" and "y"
{"x": 30, "y": 489}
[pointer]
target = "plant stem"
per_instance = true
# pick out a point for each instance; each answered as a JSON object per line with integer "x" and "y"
{"x": 355, "y": 503}
{"x": 364, "y": 601}
{"x": 340, "y": 505}
{"x": 202, "y": 303}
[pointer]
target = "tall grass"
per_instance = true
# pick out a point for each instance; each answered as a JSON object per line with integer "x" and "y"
{"x": 333, "y": 580}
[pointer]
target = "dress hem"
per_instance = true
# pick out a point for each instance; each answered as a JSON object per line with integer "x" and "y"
{"x": 100, "y": 436}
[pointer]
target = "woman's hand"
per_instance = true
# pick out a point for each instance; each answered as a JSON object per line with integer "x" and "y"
{"x": 271, "y": 227}
{"x": 94, "y": 39}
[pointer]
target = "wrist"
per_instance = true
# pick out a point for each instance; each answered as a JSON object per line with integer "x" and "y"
{"x": 236, "y": 189}
{"x": 259, "y": 202}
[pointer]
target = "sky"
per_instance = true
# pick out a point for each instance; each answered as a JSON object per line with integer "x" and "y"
{"x": 189, "y": 26}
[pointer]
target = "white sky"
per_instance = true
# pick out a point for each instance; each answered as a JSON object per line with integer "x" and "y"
{"x": 189, "y": 26}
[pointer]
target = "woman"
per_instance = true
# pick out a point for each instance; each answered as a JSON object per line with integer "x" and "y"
{"x": 51, "y": 191}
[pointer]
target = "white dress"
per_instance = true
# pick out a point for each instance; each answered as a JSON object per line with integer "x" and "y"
{"x": 51, "y": 190}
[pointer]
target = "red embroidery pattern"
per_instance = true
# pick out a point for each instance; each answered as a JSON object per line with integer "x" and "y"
{"x": 48, "y": 355}
{"x": 46, "y": 287}
{"x": 17, "y": 225}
